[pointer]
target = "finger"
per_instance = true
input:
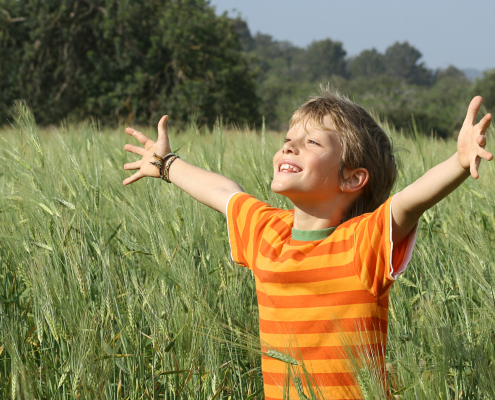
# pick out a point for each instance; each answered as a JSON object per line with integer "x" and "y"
{"x": 485, "y": 155}
{"x": 485, "y": 122}
{"x": 141, "y": 137}
{"x": 138, "y": 175}
{"x": 134, "y": 165}
{"x": 134, "y": 149}
{"x": 162, "y": 127}
{"x": 472, "y": 111}
{"x": 474, "y": 168}
{"x": 481, "y": 140}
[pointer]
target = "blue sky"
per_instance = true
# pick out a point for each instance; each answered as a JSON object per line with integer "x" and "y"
{"x": 453, "y": 32}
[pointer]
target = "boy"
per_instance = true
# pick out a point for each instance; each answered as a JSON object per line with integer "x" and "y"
{"x": 324, "y": 269}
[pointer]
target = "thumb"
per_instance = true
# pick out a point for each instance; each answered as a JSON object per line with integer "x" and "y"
{"x": 473, "y": 109}
{"x": 162, "y": 128}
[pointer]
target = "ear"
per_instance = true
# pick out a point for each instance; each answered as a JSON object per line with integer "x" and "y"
{"x": 355, "y": 179}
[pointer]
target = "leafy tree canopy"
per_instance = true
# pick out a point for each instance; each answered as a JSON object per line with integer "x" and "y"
{"x": 139, "y": 59}
{"x": 325, "y": 58}
{"x": 486, "y": 88}
{"x": 368, "y": 63}
{"x": 401, "y": 60}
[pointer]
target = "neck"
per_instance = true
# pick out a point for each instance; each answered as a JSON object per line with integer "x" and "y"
{"x": 310, "y": 217}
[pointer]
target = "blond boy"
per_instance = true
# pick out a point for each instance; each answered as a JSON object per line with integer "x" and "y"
{"x": 323, "y": 270}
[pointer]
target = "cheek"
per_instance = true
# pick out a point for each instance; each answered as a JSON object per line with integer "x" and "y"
{"x": 276, "y": 158}
{"x": 325, "y": 167}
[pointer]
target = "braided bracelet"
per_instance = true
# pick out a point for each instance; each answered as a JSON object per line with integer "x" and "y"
{"x": 165, "y": 175}
{"x": 161, "y": 161}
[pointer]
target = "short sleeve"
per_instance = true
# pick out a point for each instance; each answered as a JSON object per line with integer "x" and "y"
{"x": 377, "y": 259}
{"x": 246, "y": 219}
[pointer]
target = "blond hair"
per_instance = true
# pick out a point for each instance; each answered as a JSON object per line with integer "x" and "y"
{"x": 364, "y": 145}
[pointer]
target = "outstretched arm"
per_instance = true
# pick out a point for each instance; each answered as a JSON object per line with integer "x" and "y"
{"x": 207, "y": 187}
{"x": 441, "y": 180}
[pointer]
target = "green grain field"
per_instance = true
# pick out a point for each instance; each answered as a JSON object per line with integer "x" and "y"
{"x": 113, "y": 292}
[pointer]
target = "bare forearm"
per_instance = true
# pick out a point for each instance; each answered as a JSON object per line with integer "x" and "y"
{"x": 207, "y": 187}
{"x": 432, "y": 187}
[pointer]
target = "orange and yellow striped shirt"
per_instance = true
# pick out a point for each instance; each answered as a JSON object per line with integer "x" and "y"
{"x": 322, "y": 302}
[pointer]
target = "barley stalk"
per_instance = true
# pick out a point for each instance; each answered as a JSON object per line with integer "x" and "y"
{"x": 49, "y": 319}
{"x": 282, "y": 357}
{"x": 14, "y": 376}
{"x": 80, "y": 278}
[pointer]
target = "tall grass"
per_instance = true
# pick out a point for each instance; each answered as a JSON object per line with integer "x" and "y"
{"x": 129, "y": 292}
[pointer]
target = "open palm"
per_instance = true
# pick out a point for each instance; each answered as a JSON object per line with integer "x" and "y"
{"x": 472, "y": 140}
{"x": 161, "y": 147}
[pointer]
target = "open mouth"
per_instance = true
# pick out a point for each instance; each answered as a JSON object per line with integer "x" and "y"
{"x": 289, "y": 168}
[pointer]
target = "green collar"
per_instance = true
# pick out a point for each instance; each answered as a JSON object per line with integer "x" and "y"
{"x": 308, "y": 236}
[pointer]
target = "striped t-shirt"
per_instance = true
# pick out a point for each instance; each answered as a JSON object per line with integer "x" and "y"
{"x": 320, "y": 301}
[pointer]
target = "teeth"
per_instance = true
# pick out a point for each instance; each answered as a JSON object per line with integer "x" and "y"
{"x": 288, "y": 167}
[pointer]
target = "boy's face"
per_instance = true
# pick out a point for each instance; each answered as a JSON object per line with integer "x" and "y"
{"x": 306, "y": 169}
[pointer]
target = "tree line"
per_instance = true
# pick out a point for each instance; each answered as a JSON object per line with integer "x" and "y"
{"x": 396, "y": 84}
{"x": 133, "y": 61}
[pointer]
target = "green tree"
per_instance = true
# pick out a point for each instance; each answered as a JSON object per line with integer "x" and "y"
{"x": 280, "y": 58}
{"x": 402, "y": 61}
{"x": 449, "y": 72}
{"x": 124, "y": 59}
{"x": 444, "y": 104}
{"x": 486, "y": 88}
{"x": 281, "y": 77}
{"x": 325, "y": 58}
{"x": 368, "y": 63}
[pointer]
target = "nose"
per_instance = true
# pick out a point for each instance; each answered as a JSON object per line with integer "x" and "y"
{"x": 289, "y": 147}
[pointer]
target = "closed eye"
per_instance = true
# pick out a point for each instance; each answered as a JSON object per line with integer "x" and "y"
{"x": 286, "y": 140}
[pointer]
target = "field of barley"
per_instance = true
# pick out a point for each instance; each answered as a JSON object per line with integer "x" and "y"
{"x": 117, "y": 292}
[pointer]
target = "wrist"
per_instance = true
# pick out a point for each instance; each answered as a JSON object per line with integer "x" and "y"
{"x": 163, "y": 164}
{"x": 463, "y": 171}
{"x": 169, "y": 159}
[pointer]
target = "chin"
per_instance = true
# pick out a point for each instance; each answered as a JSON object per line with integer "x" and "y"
{"x": 279, "y": 189}
{"x": 276, "y": 187}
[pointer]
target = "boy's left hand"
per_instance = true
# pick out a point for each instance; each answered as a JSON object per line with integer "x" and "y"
{"x": 472, "y": 140}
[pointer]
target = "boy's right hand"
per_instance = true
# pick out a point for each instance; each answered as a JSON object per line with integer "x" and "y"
{"x": 207, "y": 187}
{"x": 161, "y": 147}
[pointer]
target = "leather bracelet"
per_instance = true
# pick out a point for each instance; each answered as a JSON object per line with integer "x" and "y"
{"x": 165, "y": 175}
{"x": 161, "y": 161}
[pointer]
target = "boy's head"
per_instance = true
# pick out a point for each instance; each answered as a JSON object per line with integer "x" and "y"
{"x": 363, "y": 144}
